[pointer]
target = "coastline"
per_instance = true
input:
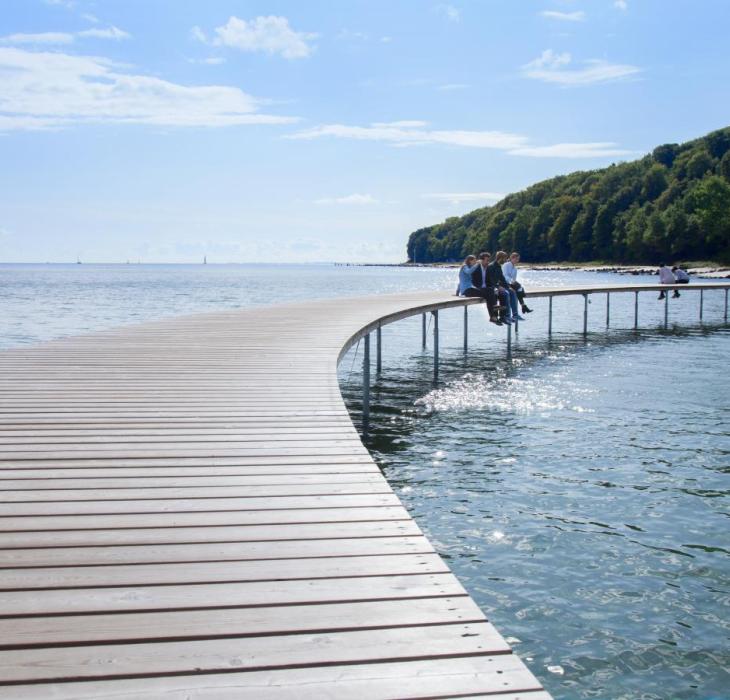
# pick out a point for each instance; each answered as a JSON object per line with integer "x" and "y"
{"x": 700, "y": 270}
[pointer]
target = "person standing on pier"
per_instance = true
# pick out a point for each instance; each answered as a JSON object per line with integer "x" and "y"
{"x": 473, "y": 283}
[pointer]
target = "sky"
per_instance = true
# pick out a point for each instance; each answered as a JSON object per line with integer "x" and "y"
{"x": 252, "y": 131}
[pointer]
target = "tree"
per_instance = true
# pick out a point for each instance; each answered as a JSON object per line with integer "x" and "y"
{"x": 718, "y": 142}
{"x": 665, "y": 154}
{"x": 655, "y": 182}
{"x": 699, "y": 164}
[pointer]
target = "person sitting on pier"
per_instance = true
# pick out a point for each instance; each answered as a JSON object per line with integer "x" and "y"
{"x": 666, "y": 276}
{"x": 507, "y": 295}
{"x": 472, "y": 283}
{"x": 509, "y": 270}
{"x": 680, "y": 277}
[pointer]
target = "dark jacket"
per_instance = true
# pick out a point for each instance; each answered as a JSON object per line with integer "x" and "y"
{"x": 495, "y": 275}
{"x": 476, "y": 277}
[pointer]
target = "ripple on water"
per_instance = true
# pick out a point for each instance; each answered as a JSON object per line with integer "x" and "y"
{"x": 582, "y": 501}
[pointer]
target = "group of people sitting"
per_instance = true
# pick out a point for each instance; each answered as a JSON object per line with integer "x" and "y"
{"x": 495, "y": 281}
{"x": 674, "y": 276}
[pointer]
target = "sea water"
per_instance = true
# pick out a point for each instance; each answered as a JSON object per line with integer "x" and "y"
{"x": 578, "y": 487}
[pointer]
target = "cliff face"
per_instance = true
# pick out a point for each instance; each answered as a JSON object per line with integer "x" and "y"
{"x": 671, "y": 204}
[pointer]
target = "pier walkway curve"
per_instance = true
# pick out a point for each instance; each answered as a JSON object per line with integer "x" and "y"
{"x": 187, "y": 511}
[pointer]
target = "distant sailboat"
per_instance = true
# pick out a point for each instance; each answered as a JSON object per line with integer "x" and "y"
{"x": 78, "y": 260}
{"x": 205, "y": 260}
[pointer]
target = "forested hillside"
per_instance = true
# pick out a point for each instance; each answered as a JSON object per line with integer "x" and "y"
{"x": 673, "y": 204}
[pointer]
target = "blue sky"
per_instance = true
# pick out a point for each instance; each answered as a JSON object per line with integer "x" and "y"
{"x": 166, "y": 130}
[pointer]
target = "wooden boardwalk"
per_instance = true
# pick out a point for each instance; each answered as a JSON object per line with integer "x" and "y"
{"x": 188, "y": 512}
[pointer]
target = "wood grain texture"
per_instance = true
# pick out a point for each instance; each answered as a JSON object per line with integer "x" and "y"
{"x": 187, "y": 511}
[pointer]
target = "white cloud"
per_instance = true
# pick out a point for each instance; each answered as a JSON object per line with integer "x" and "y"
{"x": 210, "y": 61}
{"x": 621, "y": 5}
{"x": 452, "y": 86}
{"x": 64, "y": 37}
{"x": 573, "y": 150}
{"x": 269, "y": 34}
{"x": 386, "y": 39}
{"x": 198, "y": 34}
{"x": 413, "y": 133}
{"x": 41, "y": 38}
{"x": 551, "y": 67}
{"x": 460, "y": 197}
{"x": 578, "y": 16}
{"x": 451, "y": 13}
{"x": 41, "y": 90}
{"x": 110, "y": 33}
{"x": 350, "y": 199}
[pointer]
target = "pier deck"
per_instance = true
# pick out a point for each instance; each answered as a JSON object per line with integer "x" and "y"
{"x": 187, "y": 511}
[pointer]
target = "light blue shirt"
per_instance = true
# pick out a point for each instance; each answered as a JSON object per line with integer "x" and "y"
{"x": 465, "y": 277}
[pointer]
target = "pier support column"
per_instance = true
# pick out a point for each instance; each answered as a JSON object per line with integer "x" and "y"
{"x": 608, "y": 308}
{"x": 509, "y": 341}
{"x": 423, "y": 331}
{"x": 435, "y": 346}
{"x": 636, "y": 310}
{"x": 585, "y": 314}
{"x": 550, "y": 315}
{"x": 702, "y": 299}
{"x": 379, "y": 352}
{"x": 666, "y": 310}
{"x": 366, "y": 385}
{"x": 466, "y": 329}
{"x": 726, "y": 306}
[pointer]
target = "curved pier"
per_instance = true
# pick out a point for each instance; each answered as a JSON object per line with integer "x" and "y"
{"x": 187, "y": 511}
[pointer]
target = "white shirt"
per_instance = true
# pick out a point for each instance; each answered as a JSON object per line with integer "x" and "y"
{"x": 681, "y": 275}
{"x": 510, "y": 272}
{"x": 666, "y": 276}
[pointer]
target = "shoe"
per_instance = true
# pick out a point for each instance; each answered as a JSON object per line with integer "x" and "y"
{"x": 675, "y": 295}
{"x": 525, "y": 310}
{"x": 507, "y": 321}
{"x": 520, "y": 318}
{"x": 661, "y": 296}
{"x": 496, "y": 321}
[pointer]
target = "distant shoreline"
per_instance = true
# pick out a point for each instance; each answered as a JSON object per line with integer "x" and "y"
{"x": 704, "y": 270}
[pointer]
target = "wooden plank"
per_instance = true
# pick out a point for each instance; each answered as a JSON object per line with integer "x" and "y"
{"x": 219, "y": 572}
{"x": 215, "y": 623}
{"x": 240, "y": 533}
{"x": 181, "y": 505}
{"x": 201, "y": 519}
{"x": 115, "y": 660}
{"x": 213, "y": 551}
{"x": 501, "y": 677}
{"x": 200, "y": 492}
{"x": 215, "y": 595}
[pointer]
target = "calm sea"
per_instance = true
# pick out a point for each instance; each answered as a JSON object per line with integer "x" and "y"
{"x": 579, "y": 489}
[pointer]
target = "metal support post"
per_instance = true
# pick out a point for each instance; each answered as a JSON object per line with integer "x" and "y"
{"x": 608, "y": 308}
{"x": 550, "y": 315}
{"x": 726, "y": 306}
{"x": 509, "y": 341}
{"x": 435, "y": 345}
{"x": 466, "y": 329}
{"x": 585, "y": 314}
{"x": 702, "y": 292}
{"x": 366, "y": 385}
{"x": 636, "y": 310}
{"x": 423, "y": 331}
{"x": 666, "y": 310}
{"x": 379, "y": 352}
